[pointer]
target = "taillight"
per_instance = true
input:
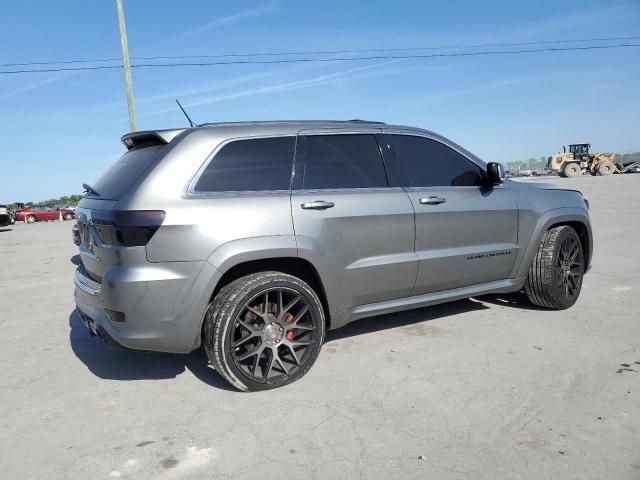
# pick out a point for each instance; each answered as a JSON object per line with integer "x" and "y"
{"x": 127, "y": 228}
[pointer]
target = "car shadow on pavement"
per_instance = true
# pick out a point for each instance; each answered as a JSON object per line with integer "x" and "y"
{"x": 5, "y": 230}
{"x": 401, "y": 319}
{"x": 515, "y": 299}
{"x": 119, "y": 364}
{"x": 75, "y": 260}
{"x": 408, "y": 317}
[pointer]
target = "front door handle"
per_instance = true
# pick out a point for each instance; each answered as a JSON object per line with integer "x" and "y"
{"x": 432, "y": 200}
{"x": 317, "y": 205}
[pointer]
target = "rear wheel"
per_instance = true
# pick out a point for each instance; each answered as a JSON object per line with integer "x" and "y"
{"x": 606, "y": 168}
{"x": 264, "y": 330}
{"x": 555, "y": 277}
{"x": 572, "y": 170}
{"x": 31, "y": 219}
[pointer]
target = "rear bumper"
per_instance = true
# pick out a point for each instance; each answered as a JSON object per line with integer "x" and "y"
{"x": 96, "y": 330}
{"x": 163, "y": 304}
{"x": 5, "y": 220}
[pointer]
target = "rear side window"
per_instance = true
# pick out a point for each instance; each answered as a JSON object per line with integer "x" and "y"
{"x": 341, "y": 161}
{"x": 250, "y": 165}
{"x": 423, "y": 162}
{"x": 121, "y": 175}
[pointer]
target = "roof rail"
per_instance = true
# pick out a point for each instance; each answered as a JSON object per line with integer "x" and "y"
{"x": 359, "y": 120}
{"x": 272, "y": 122}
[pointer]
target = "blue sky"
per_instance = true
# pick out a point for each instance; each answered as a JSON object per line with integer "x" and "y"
{"x": 61, "y": 129}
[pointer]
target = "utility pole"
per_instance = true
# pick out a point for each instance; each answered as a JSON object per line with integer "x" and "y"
{"x": 127, "y": 66}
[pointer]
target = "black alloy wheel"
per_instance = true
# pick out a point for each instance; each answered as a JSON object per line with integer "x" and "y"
{"x": 264, "y": 330}
{"x": 570, "y": 267}
{"x": 272, "y": 335}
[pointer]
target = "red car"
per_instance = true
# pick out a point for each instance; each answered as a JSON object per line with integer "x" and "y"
{"x": 43, "y": 212}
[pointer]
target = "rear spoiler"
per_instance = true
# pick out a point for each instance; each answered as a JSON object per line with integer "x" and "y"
{"x": 150, "y": 137}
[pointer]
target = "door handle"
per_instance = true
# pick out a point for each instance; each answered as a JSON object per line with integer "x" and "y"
{"x": 432, "y": 200}
{"x": 317, "y": 205}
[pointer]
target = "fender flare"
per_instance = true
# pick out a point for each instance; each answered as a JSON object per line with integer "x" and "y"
{"x": 548, "y": 219}
{"x": 235, "y": 252}
{"x": 244, "y": 250}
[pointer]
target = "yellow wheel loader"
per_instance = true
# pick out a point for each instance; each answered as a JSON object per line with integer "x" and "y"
{"x": 578, "y": 161}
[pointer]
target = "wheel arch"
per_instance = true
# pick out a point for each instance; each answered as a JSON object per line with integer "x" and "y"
{"x": 289, "y": 264}
{"x": 584, "y": 233}
{"x": 573, "y": 217}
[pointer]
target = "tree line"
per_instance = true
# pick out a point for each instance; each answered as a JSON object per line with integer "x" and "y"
{"x": 71, "y": 200}
{"x": 531, "y": 164}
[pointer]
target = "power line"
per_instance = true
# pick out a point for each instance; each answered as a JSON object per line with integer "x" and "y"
{"x": 322, "y": 60}
{"x": 323, "y": 52}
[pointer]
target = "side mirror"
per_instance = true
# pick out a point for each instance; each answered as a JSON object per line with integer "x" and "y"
{"x": 495, "y": 173}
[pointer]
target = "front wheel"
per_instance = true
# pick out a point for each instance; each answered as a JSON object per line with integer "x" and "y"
{"x": 31, "y": 219}
{"x": 606, "y": 168}
{"x": 555, "y": 277}
{"x": 68, "y": 216}
{"x": 264, "y": 330}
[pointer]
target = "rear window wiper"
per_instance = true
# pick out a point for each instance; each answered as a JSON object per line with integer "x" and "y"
{"x": 89, "y": 189}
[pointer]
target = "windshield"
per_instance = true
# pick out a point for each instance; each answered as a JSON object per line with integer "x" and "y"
{"x": 579, "y": 149}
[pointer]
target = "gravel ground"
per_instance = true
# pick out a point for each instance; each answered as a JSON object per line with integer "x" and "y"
{"x": 481, "y": 389}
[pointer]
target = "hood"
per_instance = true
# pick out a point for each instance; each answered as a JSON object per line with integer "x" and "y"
{"x": 540, "y": 186}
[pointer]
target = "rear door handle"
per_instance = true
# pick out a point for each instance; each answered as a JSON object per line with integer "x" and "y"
{"x": 317, "y": 205}
{"x": 432, "y": 200}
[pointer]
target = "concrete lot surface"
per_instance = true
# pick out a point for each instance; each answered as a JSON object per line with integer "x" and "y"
{"x": 488, "y": 388}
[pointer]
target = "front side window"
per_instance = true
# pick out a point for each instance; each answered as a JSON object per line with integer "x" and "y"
{"x": 250, "y": 165}
{"x": 423, "y": 162}
{"x": 341, "y": 161}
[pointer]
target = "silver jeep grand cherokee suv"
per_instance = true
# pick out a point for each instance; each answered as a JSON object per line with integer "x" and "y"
{"x": 255, "y": 238}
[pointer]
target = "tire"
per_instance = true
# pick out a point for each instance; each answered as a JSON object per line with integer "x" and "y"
{"x": 68, "y": 216}
{"x": 555, "y": 276}
{"x": 249, "y": 315}
{"x": 606, "y": 168}
{"x": 572, "y": 170}
{"x": 31, "y": 219}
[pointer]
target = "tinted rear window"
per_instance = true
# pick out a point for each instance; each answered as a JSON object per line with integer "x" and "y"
{"x": 250, "y": 165}
{"x": 342, "y": 161}
{"x": 121, "y": 175}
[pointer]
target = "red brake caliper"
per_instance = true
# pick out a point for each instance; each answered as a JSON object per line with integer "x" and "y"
{"x": 291, "y": 333}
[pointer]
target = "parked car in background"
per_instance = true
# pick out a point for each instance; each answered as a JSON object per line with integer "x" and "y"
{"x": 39, "y": 213}
{"x": 5, "y": 216}
{"x": 542, "y": 172}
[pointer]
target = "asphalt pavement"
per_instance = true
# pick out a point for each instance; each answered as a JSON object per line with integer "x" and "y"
{"x": 486, "y": 388}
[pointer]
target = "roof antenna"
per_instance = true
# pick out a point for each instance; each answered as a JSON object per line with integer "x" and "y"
{"x": 186, "y": 115}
